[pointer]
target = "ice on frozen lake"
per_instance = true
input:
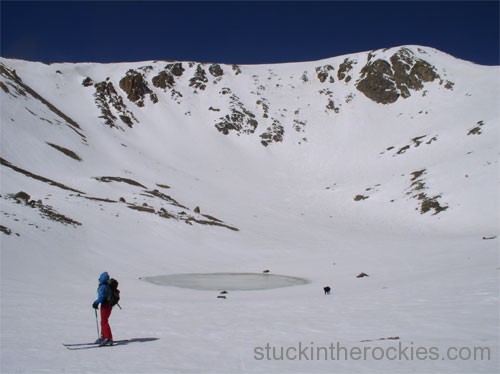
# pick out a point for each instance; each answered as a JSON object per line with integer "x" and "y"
{"x": 227, "y": 281}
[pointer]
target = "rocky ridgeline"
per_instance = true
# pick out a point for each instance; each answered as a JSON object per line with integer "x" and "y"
{"x": 383, "y": 80}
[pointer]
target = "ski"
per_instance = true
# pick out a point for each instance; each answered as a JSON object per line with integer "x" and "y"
{"x": 79, "y": 346}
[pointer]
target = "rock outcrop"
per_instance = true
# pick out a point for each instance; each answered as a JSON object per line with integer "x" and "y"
{"x": 385, "y": 81}
{"x": 136, "y": 88}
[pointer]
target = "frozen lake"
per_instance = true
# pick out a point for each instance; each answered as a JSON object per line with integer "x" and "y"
{"x": 227, "y": 281}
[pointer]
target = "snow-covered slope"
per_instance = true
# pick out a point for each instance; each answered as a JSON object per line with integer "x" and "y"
{"x": 383, "y": 162}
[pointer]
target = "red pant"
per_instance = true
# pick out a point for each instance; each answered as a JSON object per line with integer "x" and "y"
{"x": 105, "y": 328}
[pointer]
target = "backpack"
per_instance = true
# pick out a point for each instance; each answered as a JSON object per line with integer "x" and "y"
{"x": 114, "y": 293}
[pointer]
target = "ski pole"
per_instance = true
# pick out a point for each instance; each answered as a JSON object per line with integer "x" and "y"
{"x": 97, "y": 324}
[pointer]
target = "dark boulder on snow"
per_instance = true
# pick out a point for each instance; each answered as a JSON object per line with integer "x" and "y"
{"x": 5, "y": 230}
{"x": 87, "y": 82}
{"x": 22, "y": 196}
{"x": 216, "y": 70}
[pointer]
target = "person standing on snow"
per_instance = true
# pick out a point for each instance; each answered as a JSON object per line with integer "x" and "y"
{"x": 103, "y": 292}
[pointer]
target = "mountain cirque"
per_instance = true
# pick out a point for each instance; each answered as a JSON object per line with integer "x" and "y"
{"x": 265, "y": 104}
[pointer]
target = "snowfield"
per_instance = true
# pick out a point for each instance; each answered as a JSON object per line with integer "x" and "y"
{"x": 405, "y": 191}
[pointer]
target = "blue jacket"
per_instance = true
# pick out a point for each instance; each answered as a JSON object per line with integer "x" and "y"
{"x": 103, "y": 289}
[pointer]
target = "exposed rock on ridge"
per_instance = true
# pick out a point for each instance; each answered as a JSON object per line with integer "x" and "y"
{"x": 384, "y": 82}
{"x": 136, "y": 87}
{"x": 384, "y": 78}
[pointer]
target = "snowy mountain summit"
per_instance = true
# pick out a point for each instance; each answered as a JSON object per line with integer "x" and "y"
{"x": 383, "y": 161}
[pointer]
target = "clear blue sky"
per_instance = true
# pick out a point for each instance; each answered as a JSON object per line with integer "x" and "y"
{"x": 243, "y": 32}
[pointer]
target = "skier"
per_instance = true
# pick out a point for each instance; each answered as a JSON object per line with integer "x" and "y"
{"x": 102, "y": 298}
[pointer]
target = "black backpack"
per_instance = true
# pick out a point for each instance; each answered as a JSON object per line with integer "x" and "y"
{"x": 114, "y": 293}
